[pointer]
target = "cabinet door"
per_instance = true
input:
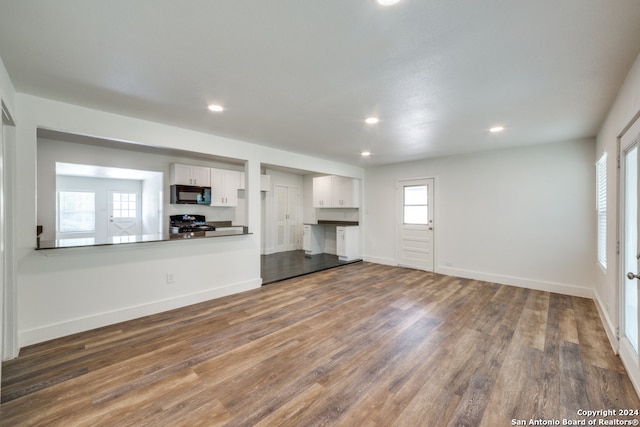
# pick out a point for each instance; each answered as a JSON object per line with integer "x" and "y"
{"x": 201, "y": 176}
{"x": 341, "y": 247}
{"x": 231, "y": 185}
{"x": 224, "y": 187}
{"x": 217, "y": 187}
{"x": 322, "y": 192}
{"x": 191, "y": 175}
{"x": 344, "y": 192}
{"x": 182, "y": 174}
{"x": 306, "y": 238}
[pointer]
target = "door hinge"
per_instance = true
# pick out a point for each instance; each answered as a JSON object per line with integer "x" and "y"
{"x": 618, "y": 162}
{"x": 618, "y": 247}
{"x": 618, "y": 332}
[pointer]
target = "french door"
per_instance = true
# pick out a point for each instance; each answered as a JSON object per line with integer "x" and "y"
{"x": 287, "y": 223}
{"x": 415, "y": 224}
{"x": 630, "y": 258}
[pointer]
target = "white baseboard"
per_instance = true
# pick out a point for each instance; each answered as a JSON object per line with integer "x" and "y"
{"x": 379, "y": 260}
{"x": 48, "y": 332}
{"x": 560, "y": 288}
{"x": 610, "y": 327}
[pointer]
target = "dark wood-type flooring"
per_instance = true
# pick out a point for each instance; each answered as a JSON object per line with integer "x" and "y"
{"x": 286, "y": 265}
{"x": 358, "y": 345}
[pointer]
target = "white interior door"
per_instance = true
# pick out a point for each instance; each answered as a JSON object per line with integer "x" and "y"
{"x": 415, "y": 223}
{"x": 287, "y": 218}
{"x": 124, "y": 215}
{"x": 630, "y": 260}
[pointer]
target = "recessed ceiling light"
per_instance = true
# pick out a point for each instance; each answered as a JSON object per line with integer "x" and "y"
{"x": 371, "y": 120}
{"x": 496, "y": 129}
{"x": 215, "y": 107}
{"x": 365, "y": 153}
{"x": 387, "y": 2}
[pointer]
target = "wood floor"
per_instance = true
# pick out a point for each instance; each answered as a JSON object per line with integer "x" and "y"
{"x": 358, "y": 345}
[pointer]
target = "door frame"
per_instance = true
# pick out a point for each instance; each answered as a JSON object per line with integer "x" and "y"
{"x": 624, "y": 350}
{"x": 399, "y": 214}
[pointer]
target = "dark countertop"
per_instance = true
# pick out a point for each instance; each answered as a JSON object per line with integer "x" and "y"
{"x": 147, "y": 238}
{"x": 336, "y": 223}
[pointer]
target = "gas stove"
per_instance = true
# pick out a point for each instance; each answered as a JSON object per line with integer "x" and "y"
{"x": 188, "y": 224}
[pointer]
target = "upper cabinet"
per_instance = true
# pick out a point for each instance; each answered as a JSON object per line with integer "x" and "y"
{"x": 322, "y": 192}
{"x": 336, "y": 192}
{"x": 190, "y": 175}
{"x": 224, "y": 187}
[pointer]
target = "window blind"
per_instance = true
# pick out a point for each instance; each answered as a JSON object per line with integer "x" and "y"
{"x": 601, "y": 206}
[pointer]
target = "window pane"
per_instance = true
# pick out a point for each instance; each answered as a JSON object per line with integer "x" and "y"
{"x": 416, "y": 215}
{"x": 124, "y": 205}
{"x": 415, "y": 195}
{"x": 76, "y": 211}
{"x": 631, "y": 246}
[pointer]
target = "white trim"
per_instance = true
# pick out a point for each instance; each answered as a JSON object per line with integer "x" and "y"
{"x": 380, "y": 260}
{"x": 539, "y": 285}
{"x": 628, "y": 357}
{"x": 48, "y": 332}
{"x": 609, "y": 326}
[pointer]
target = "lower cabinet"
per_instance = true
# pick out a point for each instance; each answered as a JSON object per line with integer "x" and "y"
{"x": 348, "y": 243}
{"x": 313, "y": 239}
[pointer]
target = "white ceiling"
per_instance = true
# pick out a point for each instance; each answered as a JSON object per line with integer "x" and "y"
{"x": 303, "y": 75}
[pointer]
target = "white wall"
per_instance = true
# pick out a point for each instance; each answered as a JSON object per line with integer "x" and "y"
{"x": 8, "y": 293}
{"x": 623, "y": 110}
{"x": 521, "y": 216}
{"x": 70, "y": 290}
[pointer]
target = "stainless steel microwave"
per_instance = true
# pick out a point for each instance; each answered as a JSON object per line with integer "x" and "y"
{"x": 190, "y": 195}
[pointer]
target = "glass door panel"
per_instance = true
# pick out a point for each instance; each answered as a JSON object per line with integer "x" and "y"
{"x": 630, "y": 303}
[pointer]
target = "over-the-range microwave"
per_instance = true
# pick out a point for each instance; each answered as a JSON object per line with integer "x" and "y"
{"x": 190, "y": 195}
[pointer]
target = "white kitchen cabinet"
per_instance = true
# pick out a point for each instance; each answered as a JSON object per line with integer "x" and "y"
{"x": 336, "y": 192}
{"x": 348, "y": 243}
{"x": 322, "y": 192}
{"x": 190, "y": 175}
{"x": 224, "y": 187}
{"x": 345, "y": 192}
{"x": 313, "y": 239}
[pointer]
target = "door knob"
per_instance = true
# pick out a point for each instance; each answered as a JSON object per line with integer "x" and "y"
{"x": 632, "y": 276}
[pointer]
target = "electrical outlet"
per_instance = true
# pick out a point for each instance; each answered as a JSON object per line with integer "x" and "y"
{"x": 170, "y": 278}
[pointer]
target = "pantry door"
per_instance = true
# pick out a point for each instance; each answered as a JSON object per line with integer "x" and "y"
{"x": 629, "y": 242}
{"x": 286, "y": 201}
{"x": 415, "y": 223}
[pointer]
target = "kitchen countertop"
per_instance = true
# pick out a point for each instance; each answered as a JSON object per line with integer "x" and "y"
{"x": 336, "y": 223}
{"x": 147, "y": 238}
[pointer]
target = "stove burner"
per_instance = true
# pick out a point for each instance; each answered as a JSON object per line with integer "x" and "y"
{"x": 188, "y": 224}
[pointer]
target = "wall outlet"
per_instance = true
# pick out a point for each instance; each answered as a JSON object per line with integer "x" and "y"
{"x": 170, "y": 278}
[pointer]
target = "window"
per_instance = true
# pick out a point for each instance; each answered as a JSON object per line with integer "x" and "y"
{"x": 124, "y": 205}
{"x": 601, "y": 206}
{"x": 416, "y": 207}
{"x": 76, "y": 211}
